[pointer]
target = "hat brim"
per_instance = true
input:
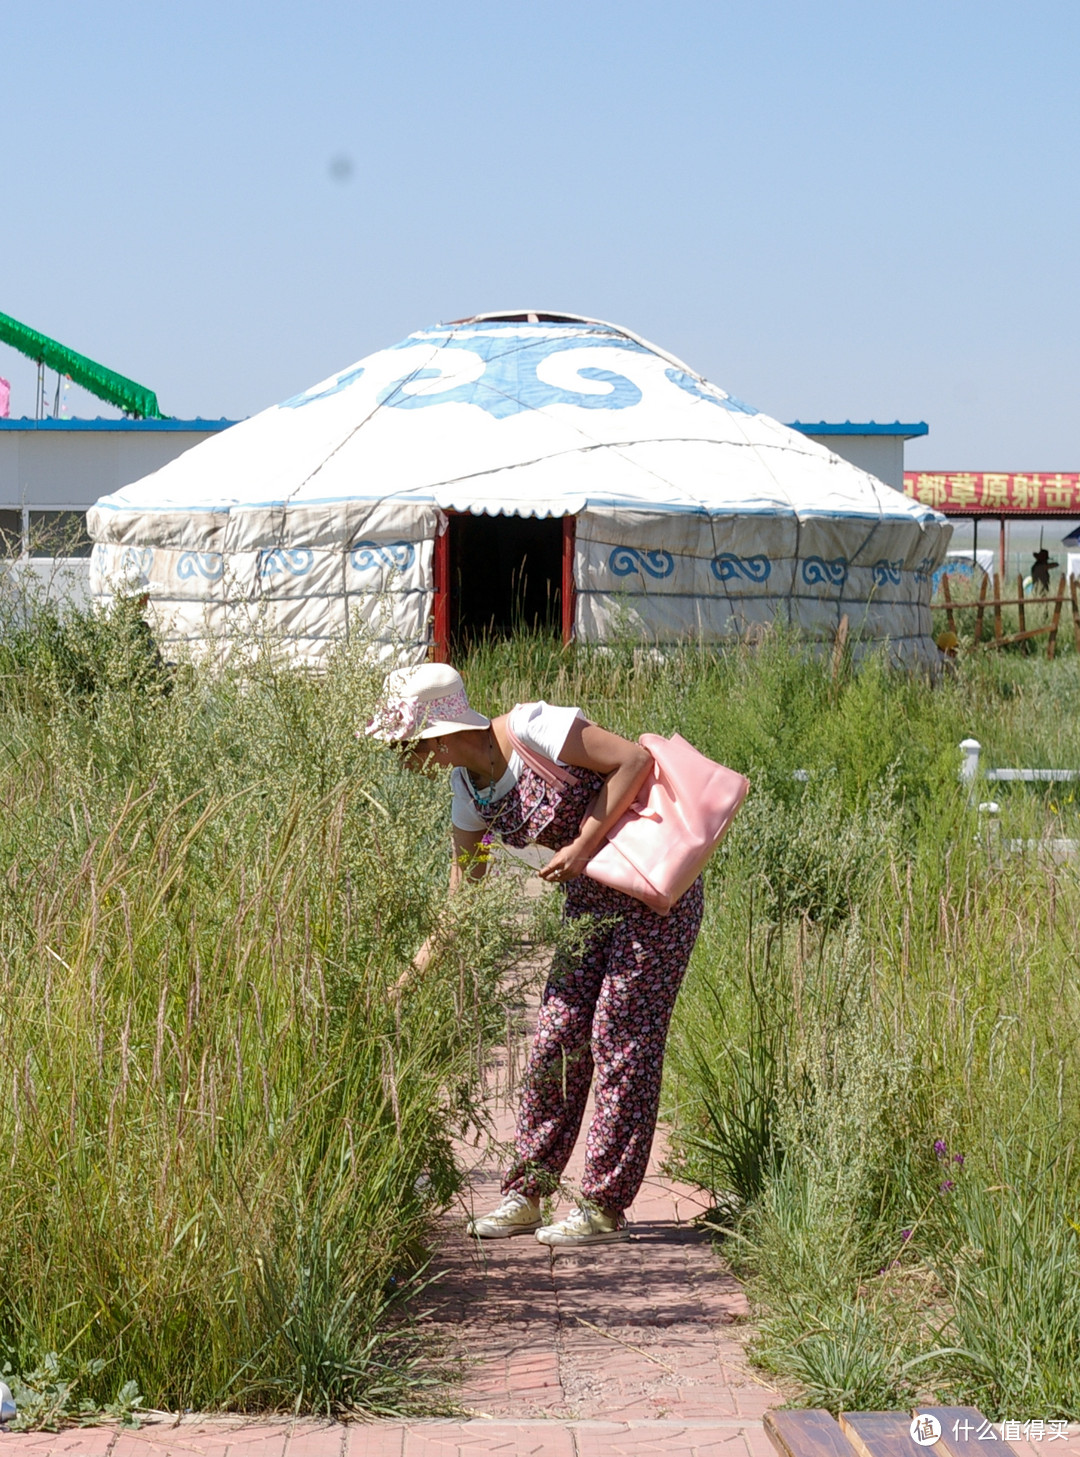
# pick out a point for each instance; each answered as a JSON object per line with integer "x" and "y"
{"x": 470, "y": 719}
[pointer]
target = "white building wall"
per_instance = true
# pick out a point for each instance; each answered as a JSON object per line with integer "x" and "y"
{"x": 65, "y": 467}
{"x": 68, "y": 468}
{"x": 881, "y": 455}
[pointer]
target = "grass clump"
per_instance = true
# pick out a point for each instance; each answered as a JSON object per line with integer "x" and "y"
{"x": 224, "y": 1138}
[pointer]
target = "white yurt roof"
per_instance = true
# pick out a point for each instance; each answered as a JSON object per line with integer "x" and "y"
{"x": 526, "y": 414}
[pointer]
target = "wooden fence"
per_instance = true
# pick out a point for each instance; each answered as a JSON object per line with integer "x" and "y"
{"x": 997, "y": 602}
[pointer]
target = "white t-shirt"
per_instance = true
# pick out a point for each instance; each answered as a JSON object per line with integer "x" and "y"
{"x": 540, "y": 726}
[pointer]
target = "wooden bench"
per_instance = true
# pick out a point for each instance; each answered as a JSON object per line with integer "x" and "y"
{"x": 884, "y": 1433}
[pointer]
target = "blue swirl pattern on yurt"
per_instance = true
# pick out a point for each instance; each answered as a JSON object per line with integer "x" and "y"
{"x": 136, "y": 563}
{"x": 368, "y": 554}
{"x": 624, "y": 561}
{"x": 309, "y": 396}
{"x": 509, "y": 384}
{"x": 727, "y": 567}
{"x": 816, "y": 571}
{"x": 210, "y": 565}
{"x": 290, "y": 561}
{"x": 886, "y": 573}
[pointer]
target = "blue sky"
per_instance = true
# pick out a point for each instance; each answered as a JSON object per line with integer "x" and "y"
{"x": 840, "y": 211}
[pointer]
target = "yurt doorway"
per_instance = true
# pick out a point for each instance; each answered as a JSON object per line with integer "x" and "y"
{"x": 497, "y": 575}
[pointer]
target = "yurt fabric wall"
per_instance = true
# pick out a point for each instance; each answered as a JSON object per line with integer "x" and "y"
{"x": 696, "y": 516}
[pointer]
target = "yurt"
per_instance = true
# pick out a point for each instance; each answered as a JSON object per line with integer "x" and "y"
{"x": 517, "y": 468}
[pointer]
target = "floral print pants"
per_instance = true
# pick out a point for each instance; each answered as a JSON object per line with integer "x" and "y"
{"x": 606, "y": 1010}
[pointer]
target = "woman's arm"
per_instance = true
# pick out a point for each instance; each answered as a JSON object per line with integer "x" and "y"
{"x": 469, "y": 862}
{"x": 470, "y": 857}
{"x": 625, "y": 767}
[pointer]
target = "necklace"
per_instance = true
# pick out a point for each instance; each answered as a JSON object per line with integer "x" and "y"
{"x": 486, "y": 795}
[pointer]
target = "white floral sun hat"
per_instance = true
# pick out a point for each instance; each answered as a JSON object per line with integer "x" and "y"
{"x": 423, "y": 702}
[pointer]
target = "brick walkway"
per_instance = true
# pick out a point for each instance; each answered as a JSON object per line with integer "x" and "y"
{"x": 221, "y": 1438}
{"x": 631, "y": 1332}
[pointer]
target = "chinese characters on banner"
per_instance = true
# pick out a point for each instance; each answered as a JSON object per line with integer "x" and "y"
{"x": 969, "y": 493}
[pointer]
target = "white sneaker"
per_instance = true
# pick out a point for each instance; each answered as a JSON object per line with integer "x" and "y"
{"x": 585, "y": 1226}
{"x": 517, "y": 1214}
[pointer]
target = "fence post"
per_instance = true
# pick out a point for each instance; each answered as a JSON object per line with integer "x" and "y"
{"x": 998, "y": 634}
{"x": 1075, "y": 613}
{"x": 950, "y": 621}
{"x": 969, "y": 768}
{"x": 990, "y": 829}
{"x": 1020, "y": 599}
{"x": 1052, "y": 644}
{"x": 980, "y": 610}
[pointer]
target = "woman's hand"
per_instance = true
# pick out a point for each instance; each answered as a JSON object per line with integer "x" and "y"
{"x": 625, "y": 767}
{"x": 471, "y": 858}
{"x": 415, "y": 969}
{"x": 566, "y": 864}
{"x": 421, "y": 959}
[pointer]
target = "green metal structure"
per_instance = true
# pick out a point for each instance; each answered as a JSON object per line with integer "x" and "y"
{"x": 106, "y": 384}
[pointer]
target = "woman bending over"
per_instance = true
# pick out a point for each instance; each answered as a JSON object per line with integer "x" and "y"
{"x": 606, "y": 1009}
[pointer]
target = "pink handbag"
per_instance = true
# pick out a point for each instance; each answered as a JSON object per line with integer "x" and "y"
{"x": 659, "y": 847}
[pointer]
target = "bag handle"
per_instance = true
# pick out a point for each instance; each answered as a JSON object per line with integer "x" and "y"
{"x": 550, "y": 773}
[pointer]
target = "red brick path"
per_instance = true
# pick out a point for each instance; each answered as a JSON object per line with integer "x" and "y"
{"x": 419, "y": 1439}
{"x": 629, "y": 1332}
{"x": 551, "y": 1438}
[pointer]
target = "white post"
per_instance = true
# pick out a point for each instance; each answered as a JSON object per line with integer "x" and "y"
{"x": 969, "y": 769}
{"x": 990, "y": 828}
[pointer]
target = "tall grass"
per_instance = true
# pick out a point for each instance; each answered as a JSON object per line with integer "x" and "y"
{"x": 874, "y": 1059}
{"x": 224, "y": 1139}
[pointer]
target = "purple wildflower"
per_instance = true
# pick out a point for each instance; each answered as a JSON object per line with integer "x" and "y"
{"x": 948, "y": 1184}
{"x": 905, "y": 1235}
{"x": 941, "y": 1148}
{"x": 958, "y": 1158}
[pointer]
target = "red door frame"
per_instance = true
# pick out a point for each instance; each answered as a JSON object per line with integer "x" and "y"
{"x": 569, "y": 591}
{"x": 440, "y": 571}
{"x": 440, "y": 607}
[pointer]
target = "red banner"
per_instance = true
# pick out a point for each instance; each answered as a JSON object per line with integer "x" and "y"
{"x": 979, "y": 493}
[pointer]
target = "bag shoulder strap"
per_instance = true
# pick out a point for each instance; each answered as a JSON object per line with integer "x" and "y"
{"x": 550, "y": 773}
